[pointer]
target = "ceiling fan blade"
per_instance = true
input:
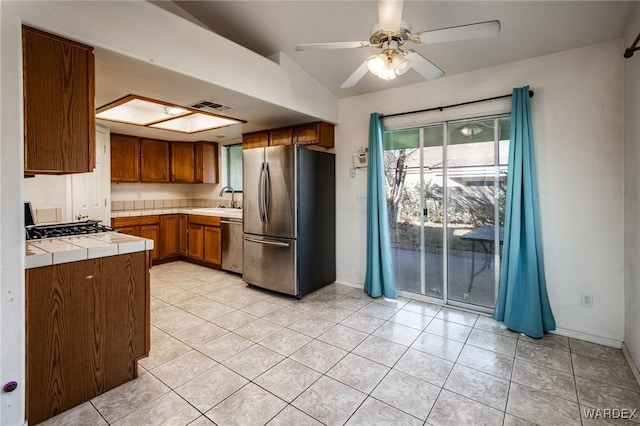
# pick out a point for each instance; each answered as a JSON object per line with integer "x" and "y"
{"x": 330, "y": 46}
{"x": 357, "y": 75}
{"x": 423, "y": 66}
{"x": 390, "y": 15}
{"x": 461, "y": 32}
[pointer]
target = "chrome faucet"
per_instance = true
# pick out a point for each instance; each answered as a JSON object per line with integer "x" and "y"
{"x": 233, "y": 195}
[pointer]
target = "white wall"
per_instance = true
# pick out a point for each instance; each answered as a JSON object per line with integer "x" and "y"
{"x": 49, "y": 192}
{"x": 152, "y": 191}
{"x": 578, "y": 131}
{"x": 12, "y": 246}
{"x": 632, "y": 192}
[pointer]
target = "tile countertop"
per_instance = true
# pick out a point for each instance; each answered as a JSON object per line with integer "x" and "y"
{"x": 52, "y": 251}
{"x": 204, "y": 211}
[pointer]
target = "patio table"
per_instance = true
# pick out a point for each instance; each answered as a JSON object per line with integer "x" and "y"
{"x": 485, "y": 236}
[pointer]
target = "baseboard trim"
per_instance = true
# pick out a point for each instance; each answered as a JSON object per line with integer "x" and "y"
{"x": 351, "y": 284}
{"x": 631, "y": 361}
{"x": 561, "y": 331}
{"x": 588, "y": 337}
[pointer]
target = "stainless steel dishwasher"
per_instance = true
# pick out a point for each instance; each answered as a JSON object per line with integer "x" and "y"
{"x": 232, "y": 244}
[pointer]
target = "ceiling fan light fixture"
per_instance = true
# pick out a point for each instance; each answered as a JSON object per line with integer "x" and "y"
{"x": 400, "y": 63}
{"x": 377, "y": 64}
{"x": 388, "y": 65}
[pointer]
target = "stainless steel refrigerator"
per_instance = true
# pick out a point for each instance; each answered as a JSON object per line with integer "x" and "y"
{"x": 289, "y": 219}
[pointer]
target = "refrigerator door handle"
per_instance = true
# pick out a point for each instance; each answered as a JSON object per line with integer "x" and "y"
{"x": 268, "y": 243}
{"x": 260, "y": 195}
{"x": 267, "y": 193}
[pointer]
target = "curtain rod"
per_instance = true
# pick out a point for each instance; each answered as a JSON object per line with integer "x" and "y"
{"x": 453, "y": 105}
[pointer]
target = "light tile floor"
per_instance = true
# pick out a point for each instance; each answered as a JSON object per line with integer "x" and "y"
{"x": 228, "y": 354}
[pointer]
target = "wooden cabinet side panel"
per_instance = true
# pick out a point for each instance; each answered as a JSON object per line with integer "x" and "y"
{"x": 212, "y": 245}
{"x": 58, "y": 104}
{"x": 170, "y": 235}
{"x": 125, "y": 158}
{"x": 125, "y": 304}
{"x": 182, "y": 232}
{"x": 154, "y": 161}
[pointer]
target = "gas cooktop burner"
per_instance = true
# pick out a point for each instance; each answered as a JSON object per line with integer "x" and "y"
{"x": 37, "y": 232}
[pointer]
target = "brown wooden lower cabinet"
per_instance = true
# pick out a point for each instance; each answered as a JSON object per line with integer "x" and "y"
{"x": 141, "y": 226}
{"x": 169, "y": 236}
{"x": 204, "y": 239}
{"x": 212, "y": 245}
{"x": 87, "y": 323}
{"x": 193, "y": 237}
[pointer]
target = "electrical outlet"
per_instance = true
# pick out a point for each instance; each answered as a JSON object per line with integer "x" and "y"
{"x": 361, "y": 197}
{"x": 353, "y": 172}
{"x": 586, "y": 300}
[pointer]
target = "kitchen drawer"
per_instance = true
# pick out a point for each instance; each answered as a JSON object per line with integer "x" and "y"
{"x": 121, "y": 222}
{"x": 204, "y": 220}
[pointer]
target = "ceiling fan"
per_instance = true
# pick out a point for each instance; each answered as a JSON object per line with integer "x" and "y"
{"x": 391, "y": 34}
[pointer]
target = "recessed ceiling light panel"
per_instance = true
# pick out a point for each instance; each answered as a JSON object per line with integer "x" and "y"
{"x": 194, "y": 123}
{"x": 134, "y": 109}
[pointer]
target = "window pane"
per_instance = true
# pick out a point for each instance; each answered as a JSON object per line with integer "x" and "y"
{"x": 474, "y": 185}
{"x": 414, "y": 185}
{"x": 234, "y": 167}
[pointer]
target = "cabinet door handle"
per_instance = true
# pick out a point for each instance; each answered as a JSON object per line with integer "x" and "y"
{"x": 89, "y": 277}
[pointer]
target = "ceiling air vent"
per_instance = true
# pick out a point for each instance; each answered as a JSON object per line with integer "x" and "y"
{"x": 209, "y": 106}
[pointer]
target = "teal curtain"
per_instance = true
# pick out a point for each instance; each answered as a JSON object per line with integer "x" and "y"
{"x": 523, "y": 303}
{"x": 380, "y": 279}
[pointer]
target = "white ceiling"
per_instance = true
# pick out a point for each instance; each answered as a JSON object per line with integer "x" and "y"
{"x": 529, "y": 29}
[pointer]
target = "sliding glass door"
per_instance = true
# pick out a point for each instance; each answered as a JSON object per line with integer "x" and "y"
{"x": 445, "y": 195}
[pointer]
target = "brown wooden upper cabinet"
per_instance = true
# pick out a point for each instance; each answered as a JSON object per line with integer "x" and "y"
{"x": 154, "y": 160}
{"x": 182, "y": 162}
{"x": 317, "y": 133}
{"x": 125, "y": 158}
{"x": 255, "y": 140}
{"x": 206, "y": 162}
{"x": 59, "y": 109}
{"x": 194, "y": 162}
{"x": 136, "y": 159}
{"x": 282, "y": 136}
